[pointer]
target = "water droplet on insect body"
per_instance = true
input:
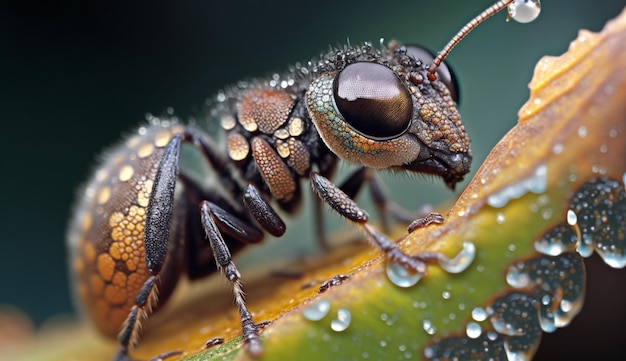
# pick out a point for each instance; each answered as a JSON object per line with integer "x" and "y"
{"x": 401, "y": 276}
{"x": 316, "y": 311}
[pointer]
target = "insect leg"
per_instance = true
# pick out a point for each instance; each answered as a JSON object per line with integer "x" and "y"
{"x": 345, "y": 206}
{"x": 355, "y": 182}
{"x": 385, "y": 207}
{"x": 263, "y": 212}
{"x": 230, "y": 225}
{"x": 157, "y": 230}
{"x": 226, "y": 265}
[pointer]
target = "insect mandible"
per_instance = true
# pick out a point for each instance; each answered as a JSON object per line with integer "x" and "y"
{"x": 141, "y": 222}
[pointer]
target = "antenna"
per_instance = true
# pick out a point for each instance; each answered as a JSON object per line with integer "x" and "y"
{"x": 523, "y": 11}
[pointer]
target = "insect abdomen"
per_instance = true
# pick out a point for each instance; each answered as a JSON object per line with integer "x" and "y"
{"x": 106, "y": 235}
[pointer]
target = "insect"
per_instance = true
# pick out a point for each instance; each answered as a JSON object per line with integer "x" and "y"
{"x": 141, "y": 221}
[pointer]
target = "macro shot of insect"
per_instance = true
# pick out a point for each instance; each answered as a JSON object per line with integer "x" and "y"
{"x": 142, "y": 222}
{"x": 183, "y": 197}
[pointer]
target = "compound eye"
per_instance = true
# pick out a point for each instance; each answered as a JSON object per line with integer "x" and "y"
{"x": 444, "y": 73}
{"x": 372, "y": 100}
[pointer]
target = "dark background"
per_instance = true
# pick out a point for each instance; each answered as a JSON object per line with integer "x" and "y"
{"x": 76, "y": 75}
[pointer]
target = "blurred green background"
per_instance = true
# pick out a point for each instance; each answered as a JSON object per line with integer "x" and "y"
{"x": 76, "y": 75}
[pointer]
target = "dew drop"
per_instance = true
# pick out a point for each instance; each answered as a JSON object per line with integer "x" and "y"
{"x": 401, "y": 276}
{"x": 604, "y": 148}
{"x": 429, "y": 352}
{"x": 445, "y": 295}
{"x": 524, "y": 11}
{"x": 557, "y": 240}
{"x": 515, "y": 314}
{"x": 546, "y": 313}
{"x": 514, "y": 356}
{"x": 316, "y": 311}
{"x": 429, "y": 327}
{"x": 557, "y": 148}
{"x": 571, "y": 217}
{"x": 546, "y": 214}
{"x": 536, "y": 183}
{"x": 500, "y": 218}
{"x": 479, "y": 314}
{"x": 342, "y": 322}
{"x": 585, "y": 247}
{"x": 516, "y": 278}
{"x": 473, "y": 330}
{"x": 465, "y": 348}
{"x": 582, "y": 131}
{"x": 462, "y": 260}
{"x": 560, "y": 284}
{"x": 600, "y": 205}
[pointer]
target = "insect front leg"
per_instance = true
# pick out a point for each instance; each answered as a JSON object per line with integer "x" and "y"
{"x": 346, "y": 207}
{"x": 385, "y": 206}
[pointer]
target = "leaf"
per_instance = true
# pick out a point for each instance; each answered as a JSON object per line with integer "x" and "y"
{"x": 566, "y": 153}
